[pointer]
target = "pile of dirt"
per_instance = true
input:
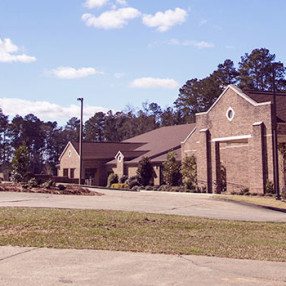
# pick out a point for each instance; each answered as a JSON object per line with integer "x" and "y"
{"x": 69, "y": 189}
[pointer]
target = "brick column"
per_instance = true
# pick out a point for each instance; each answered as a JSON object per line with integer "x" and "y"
{"x": 204, "y": 161}
{"x": 257, "y": 159}
{"x": 217, "y": 172}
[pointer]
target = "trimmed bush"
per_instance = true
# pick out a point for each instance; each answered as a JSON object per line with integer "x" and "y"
{"x": 172, "y": 170}
{"x": 32, "y": 183}
{"x": 123, "y": 179}
{"x": 145, "y": 171}
{"x": 112, "y": 179}
{"x": 133, "y": 183}
{"x": 189, "y": 172}
{"x": 61, "y": 187}
{"x": 269, "y": 188}
{"x": 119, "y": 186}
{"x": 48, "y": 184}
{"x": 283, "y": 193}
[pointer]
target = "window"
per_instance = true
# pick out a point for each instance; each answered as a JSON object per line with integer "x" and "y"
{"x": 230, "y": 114}
{"x": 69, "y": 153}
{"x": 72, "y": 173}
{"x": 66, "y": 172}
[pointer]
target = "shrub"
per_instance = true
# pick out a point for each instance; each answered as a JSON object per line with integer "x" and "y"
{"x": 145, "y": 171}
{"x": 171, "y": 170}
{"x": 136, "y": 188}
{"x": 28, "y": 176}
{"x": 164, "y": 188}
{"x": 33, "y": 183}
{"x": 112, "y": 179}
{"x": 48, "y": 184}
{"x": 123, "y": 179}
{"x": 20, "y": 163}
{"x": 269, "y": 188}
{"x": 133, "y": 183}
{"x": 119, "y": 186}
{"x": 149, "y": 188}
{"x": 244, "y": 191}
{"x": 61, "y": 187}
{"x": 132, "y": 178}
{"x": 283, "y": 193}
{"x": 189, "y": 172}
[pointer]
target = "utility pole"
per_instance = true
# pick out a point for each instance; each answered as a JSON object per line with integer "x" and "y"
{"x": 274, "y": 138}
{"x": 80, "y": 140}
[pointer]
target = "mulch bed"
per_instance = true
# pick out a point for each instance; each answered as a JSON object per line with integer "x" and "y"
{"x": 70, "y": 190}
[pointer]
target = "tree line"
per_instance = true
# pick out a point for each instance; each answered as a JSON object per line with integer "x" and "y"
{"x": 46, "y": 140}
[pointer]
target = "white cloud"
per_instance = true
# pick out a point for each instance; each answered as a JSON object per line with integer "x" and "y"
{"x": 149, "y": 82}
{"x": 163, "y": 21}
{"x": 202, "y": 44}
{"x": 118, "y": 75}
{"x": 203, "y": 22}
{"x": 113, "y": 19}
{"x": 72, "y": 73}
{"x": 46, "y": 110}
{"x": 8, "y": 50}
{"x": 121, "y": 2}
{"x": 95, "y": 3}
{"x": 198, "y": 44}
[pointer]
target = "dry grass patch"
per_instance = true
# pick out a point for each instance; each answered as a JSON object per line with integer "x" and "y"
{"x": 131, "y": 231}
{"x": 261, "y": 201}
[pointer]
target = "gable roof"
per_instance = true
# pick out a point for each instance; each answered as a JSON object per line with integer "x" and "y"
{"x": 104, "y": 150}
{"x": 159, "y": 141}
{"x": 267, "y": 96}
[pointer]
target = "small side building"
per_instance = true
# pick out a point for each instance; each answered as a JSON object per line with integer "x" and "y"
{"x": 101, "y": 158}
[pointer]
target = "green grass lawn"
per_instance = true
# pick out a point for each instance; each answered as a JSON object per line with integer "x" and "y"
{"x": 131, "y": 231}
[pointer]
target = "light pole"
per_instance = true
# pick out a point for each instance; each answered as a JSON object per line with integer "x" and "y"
{"x": 80, "y": 140}
{"x": 274, "y": 138}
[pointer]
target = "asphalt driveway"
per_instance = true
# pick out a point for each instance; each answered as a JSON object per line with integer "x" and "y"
{"x": 201, "y": 205}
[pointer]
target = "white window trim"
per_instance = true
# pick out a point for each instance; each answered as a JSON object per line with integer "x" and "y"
{"x": 233, "y": 114}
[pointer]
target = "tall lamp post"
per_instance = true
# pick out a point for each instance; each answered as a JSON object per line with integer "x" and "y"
{"x": 80, "y": 140}
{"x": 275, "y": 140}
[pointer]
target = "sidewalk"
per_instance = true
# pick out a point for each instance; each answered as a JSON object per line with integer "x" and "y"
{"x": 45, "y": 267}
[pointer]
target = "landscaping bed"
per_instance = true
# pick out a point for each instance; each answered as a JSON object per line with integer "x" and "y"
{"x": 56, "y": 189}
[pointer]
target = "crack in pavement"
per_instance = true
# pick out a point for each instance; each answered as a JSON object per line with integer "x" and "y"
{"x": 17, "y": 254}
{"x": 15, "y": 201}
{"x": 181, "y": 207}
{"x": 254, "y": 279}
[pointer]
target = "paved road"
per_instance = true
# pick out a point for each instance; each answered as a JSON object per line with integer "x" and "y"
{"x": 47, "y": 267}
{"x": 33, "y": 266}
{"x": 202, "y": 205}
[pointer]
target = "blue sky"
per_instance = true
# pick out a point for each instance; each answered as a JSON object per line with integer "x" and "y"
{"x": 115, "y": 53}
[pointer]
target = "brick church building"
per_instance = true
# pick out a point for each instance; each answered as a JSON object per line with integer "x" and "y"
{"x": 236, "y": 134}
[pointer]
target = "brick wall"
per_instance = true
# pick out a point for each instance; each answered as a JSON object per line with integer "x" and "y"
{"x": 243, "y": 143}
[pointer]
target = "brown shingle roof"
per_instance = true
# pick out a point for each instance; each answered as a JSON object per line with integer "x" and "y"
{"x": 104, "y": 150}
{"x": 159, "y": 141}
{"x": 264, "y": 96}
{"x": 154, "y": 144}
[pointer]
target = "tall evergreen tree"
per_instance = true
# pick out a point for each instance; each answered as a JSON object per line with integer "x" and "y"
{"x": 255, "y": 71}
